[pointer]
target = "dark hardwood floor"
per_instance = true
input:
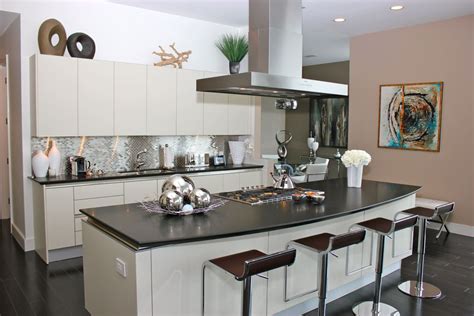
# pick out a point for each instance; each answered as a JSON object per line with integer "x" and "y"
{"x": 449, "y": 264}
{"x": 30, "y": 287}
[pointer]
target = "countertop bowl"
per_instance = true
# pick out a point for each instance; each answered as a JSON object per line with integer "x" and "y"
{"x": 317, "y": 199}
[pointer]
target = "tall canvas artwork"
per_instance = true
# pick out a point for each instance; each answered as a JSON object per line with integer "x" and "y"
{"x": 410, "y": 116}
{"x": 329, "y": 121}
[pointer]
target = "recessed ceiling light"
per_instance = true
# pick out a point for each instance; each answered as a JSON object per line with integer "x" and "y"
{"x": 339, "y": 20}
{"x": 396, "y": 7}
{"x": 309, "y": 56}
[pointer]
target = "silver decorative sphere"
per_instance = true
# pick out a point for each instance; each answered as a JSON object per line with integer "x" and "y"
{"x": 178, "y": 183}
{"x": 200, "y": 198}
{"x": 171, "y": 200}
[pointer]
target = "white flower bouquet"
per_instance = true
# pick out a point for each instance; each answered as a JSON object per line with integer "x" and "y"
{"x": 355, "y": 158}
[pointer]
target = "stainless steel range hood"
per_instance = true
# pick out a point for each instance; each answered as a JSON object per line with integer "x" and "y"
{"x": 275, "y": 57}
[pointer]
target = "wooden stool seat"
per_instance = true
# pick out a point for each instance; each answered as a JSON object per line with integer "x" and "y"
{"x": 422, "y": 212}
{"x": 318, "y": 243}
{"x": 419, "y": 288}
{"x": 382, "y": 227}
{"x": 235, "y": 263}
{"x": 244, "y": 265}
{"x": 385, "y": 226}
{"x": 323, "y": 244}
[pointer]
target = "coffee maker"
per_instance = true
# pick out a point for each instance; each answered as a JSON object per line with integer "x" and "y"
{"x": 79, "y": 165}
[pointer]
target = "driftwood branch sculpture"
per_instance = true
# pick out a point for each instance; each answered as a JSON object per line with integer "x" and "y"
{"x": 171, "y": 59}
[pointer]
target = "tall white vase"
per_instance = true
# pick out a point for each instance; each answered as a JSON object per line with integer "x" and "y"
{"x": 354, "y": 176}
{"x": 40, "y": 164}
{"x": 237, "y": 151}
{"x": 54, "y": 157}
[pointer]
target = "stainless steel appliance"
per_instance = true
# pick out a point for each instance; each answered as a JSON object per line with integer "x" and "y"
{"x": 193, "y": 160}
{"x": 79, "y": 165}
{"x": 218, "y": 160}
{"x": 260, "y": 195}
{"x": 275, "y": 63}
{"x": 283, "y": 182}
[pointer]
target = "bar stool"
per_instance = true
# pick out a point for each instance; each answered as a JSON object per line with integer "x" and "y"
{"x": 383, "y": 227}
{"x": 419, "y": 288}
{"x": 323, "y": 244}
{"x": 242, "y": 266}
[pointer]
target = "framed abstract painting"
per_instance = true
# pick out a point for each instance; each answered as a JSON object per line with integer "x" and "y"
{"x": 328, "y": 121}
{"x": 410, "y": 116}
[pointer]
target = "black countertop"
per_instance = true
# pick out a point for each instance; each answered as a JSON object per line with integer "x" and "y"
{"x": 144, "y": 173}
{"x": 142, "y": 230}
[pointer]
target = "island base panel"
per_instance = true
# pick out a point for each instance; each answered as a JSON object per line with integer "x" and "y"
{"x": 167, "y": 280}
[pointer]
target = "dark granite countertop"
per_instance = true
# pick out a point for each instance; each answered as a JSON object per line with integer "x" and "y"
{"x": 141, "y": 230}
{"x": 144, "y": 173}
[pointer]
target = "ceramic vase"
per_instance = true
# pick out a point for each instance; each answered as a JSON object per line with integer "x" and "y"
{"x": 40, "y": 164}
{"x": 54, "y": 157}
{"x": 234, "y": 67}
{"x": 354, "y": 176}
{"x": 237, "y": 151}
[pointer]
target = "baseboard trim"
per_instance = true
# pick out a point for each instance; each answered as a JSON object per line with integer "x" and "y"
{"x": 455, "y": 228}
{"x": 27, "y": 244}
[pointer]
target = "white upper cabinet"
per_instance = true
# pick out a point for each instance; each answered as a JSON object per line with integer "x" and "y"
{"x": 240, "y": 114}
{"x": 130, "y": 99}
{"x": 95, "y": 97}
{"x": 189, "y": 103}
{"x": 82, "y": 97}
{"x": 161, "y": 101}
{"x": 54, "y": 96}
{"x": 215, "y": 111}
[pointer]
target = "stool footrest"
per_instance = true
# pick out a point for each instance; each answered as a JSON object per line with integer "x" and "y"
{"x": 421, "y": 290}
{"x": 366, "y": 309}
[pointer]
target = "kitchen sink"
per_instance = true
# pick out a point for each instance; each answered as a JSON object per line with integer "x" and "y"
{"x": 141, "y": 172}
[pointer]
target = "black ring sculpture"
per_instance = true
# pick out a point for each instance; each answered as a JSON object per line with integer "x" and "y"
{"x": 47, "y": 30}
{"x": 87, "y": 43}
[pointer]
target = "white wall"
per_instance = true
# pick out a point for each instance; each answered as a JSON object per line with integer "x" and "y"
{"x": 121, "y": 33}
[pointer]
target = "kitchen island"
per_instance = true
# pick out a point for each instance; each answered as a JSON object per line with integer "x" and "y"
{"x": 136, "y": 263}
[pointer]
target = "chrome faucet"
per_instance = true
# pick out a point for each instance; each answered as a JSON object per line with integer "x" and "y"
{"x": 139, "y": 161}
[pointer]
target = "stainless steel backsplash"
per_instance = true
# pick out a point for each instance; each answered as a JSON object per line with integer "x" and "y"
{"x": 116, "y": 153}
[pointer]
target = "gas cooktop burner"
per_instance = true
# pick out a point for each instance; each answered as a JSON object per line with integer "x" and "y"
{"x": 255, "y": 196}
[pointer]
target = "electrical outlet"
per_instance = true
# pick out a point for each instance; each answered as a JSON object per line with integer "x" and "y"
{"x": 121, "y": 267}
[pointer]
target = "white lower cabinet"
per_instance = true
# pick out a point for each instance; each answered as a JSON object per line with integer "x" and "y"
{"x": 59, "y": 218}
{"x": 231, "y": 182}
{"x": 251, "y": 178}
{"x": 213, "y": 184}
{"x": 137, "y": 191}
{"x": 57, "y": 208}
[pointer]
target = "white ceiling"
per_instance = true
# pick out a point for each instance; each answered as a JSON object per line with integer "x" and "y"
{"x": 328, "y": 40}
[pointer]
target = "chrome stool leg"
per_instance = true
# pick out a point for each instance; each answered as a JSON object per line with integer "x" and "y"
{"x": 375, "y": 307}
{"x": 419, "y": 288}
{"x": 247, "y": 296}
{"x": 323, "y": 282}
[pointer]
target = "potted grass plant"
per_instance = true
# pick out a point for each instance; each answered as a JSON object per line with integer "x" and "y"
{"x": 234, "y": 48}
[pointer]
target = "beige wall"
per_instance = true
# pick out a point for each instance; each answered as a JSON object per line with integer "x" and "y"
{"x": 441, "y": 51}
{"x": 272, "y": 121}
{"x": 298, "y": 121}
{"x": 10, "y": 44}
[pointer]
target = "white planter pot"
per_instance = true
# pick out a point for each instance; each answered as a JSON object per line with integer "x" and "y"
{"x": 40, "y": 164}
{"x": 54, "y": 157}
{"x": 237, "y": 151}
{"x": 354, "y": 176}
